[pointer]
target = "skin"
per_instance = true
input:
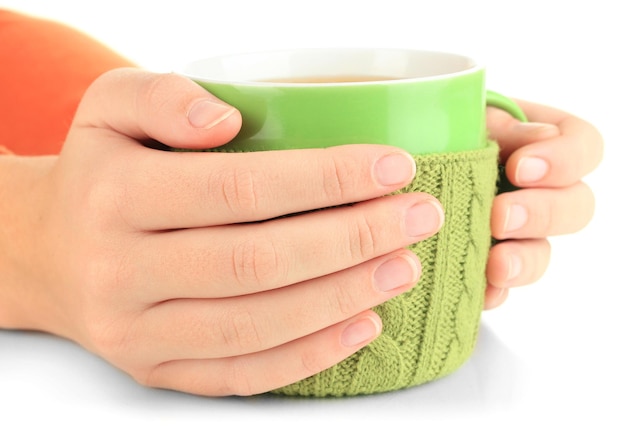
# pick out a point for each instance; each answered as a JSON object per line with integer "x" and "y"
{"x": 547, "y": 157}
{"x": 168, "y": 266}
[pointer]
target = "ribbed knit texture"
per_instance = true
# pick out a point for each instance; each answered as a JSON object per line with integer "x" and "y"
{"x": 431, "y": 330}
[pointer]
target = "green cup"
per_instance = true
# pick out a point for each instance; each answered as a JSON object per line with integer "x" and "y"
{"x": 423, "y": 102}
{"x": 428, "y": 103}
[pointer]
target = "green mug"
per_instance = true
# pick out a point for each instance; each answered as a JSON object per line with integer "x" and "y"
{"x": 431, "y": 104}
{"x": 421, "y": 101}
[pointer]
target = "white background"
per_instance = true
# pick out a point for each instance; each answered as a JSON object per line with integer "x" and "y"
{"x": 549, "y": 362}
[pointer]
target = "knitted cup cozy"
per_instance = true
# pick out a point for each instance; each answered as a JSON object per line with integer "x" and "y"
{"x": 430, "y": 331}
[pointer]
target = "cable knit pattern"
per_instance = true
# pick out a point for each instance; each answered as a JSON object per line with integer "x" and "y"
{"x": 431, "y": 330}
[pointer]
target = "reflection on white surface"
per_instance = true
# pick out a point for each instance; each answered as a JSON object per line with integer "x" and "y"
{"x": 43, "y": 373}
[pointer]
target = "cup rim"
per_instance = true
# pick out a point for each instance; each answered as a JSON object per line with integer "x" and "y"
{"x": 188, "y": 69}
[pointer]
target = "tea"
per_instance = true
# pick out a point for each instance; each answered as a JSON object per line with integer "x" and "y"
{"x": 331, "y": 79}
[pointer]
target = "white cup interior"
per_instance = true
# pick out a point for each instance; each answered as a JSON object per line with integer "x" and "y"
{"x": 395, "y": 63}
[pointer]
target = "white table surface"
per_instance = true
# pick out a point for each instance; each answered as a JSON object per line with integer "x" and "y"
{"x": 549, "y": 362}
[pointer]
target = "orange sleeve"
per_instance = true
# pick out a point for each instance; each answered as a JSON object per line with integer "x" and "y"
{"x": 45, "y": 67}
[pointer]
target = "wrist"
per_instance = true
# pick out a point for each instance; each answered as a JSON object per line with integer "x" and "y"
{"x": 23, "y": 297}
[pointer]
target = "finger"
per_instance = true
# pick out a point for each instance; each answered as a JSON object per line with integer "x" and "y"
{"x": 511, "y": 134}
{"x": 176, "y": 190}
{"x": 234, "y": 260}
{"x": 216, "y": 328}
{"x": 542, "y": 212}
{"x": 164, "y": 107}
{"x": 270, "y": 369}
{"x": 182, "y": 190}
{"x": 495, "y": 297}
{"x": 517, "y": 263}
{"x": 552, "y": 161}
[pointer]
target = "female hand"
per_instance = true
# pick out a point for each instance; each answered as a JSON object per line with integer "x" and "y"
{"x": 174, "y": 267}
{"x": 547, "y": 158}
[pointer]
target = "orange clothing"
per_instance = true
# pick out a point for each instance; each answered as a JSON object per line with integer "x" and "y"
{"x": 45, "y": 67}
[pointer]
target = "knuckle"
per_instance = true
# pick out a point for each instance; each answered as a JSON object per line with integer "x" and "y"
{"x": 240, "y": 332}
{"x": 239, "y": 379}
{"x": 256, "y": 263}
{"x": 363, "y": 244}
{"x": 107, "y": 199}
{"x": 156, "y": 92}
{"x": 107, "y": 325}
{"x": 147, "y": 377}
{"x": 103, "y": 340}
{"x": 103, "y": 202}
{"x": 239, "y": 189}
{"x": 339, "y": 177}
{"x": 144, "y": 378}
{"x": 109, "y": 340}
{"x": 107, "y": 276}
{"x": 101, "y": 85}
{"x": 341, "y": 302}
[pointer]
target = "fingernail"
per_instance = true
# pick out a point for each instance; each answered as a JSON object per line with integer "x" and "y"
{"x": 538, "y": 130}
{"x": 361, "y": 331}
{"x": 395, "y": 169}
{"x": 516, "y": 218}
{"x": 396, "y": 272}
{"x": 423, "y": 219}
{"x": 515, "y": 267}
{"x": 531, "y": 170}
{"x": 205, "y": 114}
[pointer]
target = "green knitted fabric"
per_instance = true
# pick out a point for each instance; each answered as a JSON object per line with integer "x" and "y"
{"x": 431, "y": 330}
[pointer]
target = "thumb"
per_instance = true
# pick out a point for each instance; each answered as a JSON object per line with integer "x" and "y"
{"x": 168, "y": 108}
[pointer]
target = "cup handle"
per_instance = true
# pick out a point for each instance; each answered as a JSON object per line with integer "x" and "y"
{"x": 502, "y": 102}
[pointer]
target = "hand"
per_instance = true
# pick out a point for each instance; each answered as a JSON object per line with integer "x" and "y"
{"x": 547, "y": 157}
{"x": 174, "y": 267}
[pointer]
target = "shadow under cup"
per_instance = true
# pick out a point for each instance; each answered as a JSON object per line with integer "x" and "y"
{"x": 432, "y": 105}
